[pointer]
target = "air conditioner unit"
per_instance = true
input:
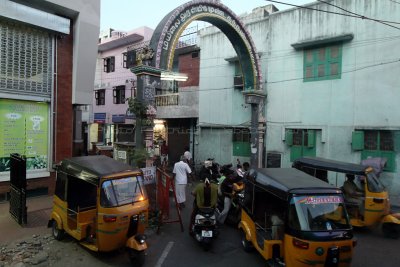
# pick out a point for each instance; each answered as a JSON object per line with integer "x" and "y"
{"x": 238, "y": 82}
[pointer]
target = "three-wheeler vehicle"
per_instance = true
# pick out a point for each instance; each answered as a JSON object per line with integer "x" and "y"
{"x": 375, "y": 207}
{"x": 293, "y": 219}
{"x": 102, "y": 203}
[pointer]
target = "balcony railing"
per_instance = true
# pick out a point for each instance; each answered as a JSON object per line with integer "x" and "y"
{"x": 167, "y": 100}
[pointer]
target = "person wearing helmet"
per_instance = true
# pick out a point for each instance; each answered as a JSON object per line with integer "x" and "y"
{"x": 227, "y": 192}
{"x": 206, "y": 195}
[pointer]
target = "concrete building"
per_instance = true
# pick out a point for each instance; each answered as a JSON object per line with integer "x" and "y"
{"x": 177, "y": 102}
{"x": 331, "y": 84}
{"x": 114, "y": 83}
{"x": 47, "y": 62}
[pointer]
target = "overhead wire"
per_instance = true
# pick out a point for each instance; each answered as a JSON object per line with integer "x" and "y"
{"x": 337, "y": 13}
{"x": 362, "y": 16}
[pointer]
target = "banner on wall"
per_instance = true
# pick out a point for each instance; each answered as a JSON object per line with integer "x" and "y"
{"x": 24, "y": 131}
{"x": 149, "y": 175}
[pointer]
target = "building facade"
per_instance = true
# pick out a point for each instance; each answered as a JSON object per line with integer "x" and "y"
{"x": 47, "y": 58}
{"x": 331, "y": 84}
{"x": 114, "y": 83}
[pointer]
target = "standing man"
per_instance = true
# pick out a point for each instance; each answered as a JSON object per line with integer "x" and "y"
{"x": 180, "y": 173}
{"x": 164, "y": 153}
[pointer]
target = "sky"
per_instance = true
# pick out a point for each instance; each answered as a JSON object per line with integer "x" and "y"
{"x": 126, "y": 15}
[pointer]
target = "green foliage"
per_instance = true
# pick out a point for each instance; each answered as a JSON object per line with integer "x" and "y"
{"x": 138, "y": 157}
{"x": 137, "y": 107}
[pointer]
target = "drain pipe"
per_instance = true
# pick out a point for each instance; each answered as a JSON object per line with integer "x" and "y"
{"x": 55, "y": 101}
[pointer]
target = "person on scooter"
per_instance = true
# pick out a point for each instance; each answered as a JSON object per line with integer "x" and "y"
{"x": 227, "y": 192}
{"x": 206, "y": 195}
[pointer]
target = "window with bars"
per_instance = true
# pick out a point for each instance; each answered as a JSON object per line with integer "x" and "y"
{"x": 376, "y": 143}
{"x": 109, "y": 64}
{"x": 301, "y": 142}
{"x": 323, "y": 63}
{"x": 129, "y": 59}
{"x": 100, "y": 96}
{"x": 119, "y": 94}
{"x": 25, "y": 60}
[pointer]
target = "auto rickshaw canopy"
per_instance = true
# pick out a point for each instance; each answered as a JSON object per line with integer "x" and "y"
{"x": 284, "y": 181}
{"x": 93, "y": 168}
{"x": 331, "y": 165}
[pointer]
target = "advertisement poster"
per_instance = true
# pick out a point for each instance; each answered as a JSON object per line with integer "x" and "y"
{"x": 149, "y": 175}
{"x": 24, "y": 130}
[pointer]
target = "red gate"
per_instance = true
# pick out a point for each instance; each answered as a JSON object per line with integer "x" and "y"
{"x": 165, "y": 182}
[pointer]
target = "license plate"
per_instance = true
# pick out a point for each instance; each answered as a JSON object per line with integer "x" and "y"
{"x": 206, "y": 233}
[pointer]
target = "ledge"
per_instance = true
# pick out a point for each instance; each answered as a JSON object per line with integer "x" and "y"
{"x": 322, "y": 41}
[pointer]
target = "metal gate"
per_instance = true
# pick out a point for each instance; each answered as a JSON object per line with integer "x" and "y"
{"x": 18, "y": 209}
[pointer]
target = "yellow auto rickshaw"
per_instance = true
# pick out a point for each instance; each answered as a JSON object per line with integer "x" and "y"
{"x": 293, "y": 219}
{"x": 102, "y": 203}
{"x": 375, "y": 206}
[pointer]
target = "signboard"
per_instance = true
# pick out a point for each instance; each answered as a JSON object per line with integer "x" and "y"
{"x": 149, "y": 174}
{"x": 24, "y": 130}
{"x": 99, "y": 117}
{"x": 118, "y": 118}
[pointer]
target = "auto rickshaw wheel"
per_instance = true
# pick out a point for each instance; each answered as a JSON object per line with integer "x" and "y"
{"x": 57, "y": 233}
{"x": 136, "y": 257}
{"x": 247, "y": 246}
{"x": 391, "y": 230}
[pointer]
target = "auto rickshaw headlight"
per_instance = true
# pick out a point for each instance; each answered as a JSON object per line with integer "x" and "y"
{"x": 140, "y": 238}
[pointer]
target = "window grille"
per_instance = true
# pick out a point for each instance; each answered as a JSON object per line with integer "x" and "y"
{"x": 25, "y": 60}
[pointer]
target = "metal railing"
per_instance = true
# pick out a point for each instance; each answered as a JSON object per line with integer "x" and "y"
{"x": 167, "y": 100}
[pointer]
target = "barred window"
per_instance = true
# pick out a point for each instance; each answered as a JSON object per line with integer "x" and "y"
{"x": 25, "y": 60}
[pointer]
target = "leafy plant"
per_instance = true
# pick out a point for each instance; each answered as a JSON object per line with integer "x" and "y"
{"x": 139, "y": 156}
{"x": 137, "y": 107}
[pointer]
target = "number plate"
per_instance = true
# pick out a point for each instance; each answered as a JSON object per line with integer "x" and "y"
{"x": 206, "y": 233}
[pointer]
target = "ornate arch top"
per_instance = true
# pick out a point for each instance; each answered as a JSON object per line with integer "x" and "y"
{"x": 168, "y": 31}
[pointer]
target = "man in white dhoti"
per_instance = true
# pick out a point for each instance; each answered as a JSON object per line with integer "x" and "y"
{"x": 180, "y": 173}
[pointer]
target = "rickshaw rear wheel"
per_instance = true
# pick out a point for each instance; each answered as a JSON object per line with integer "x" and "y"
{"x": 247, "y": 246}
{"x": 57, "y": 233}
{"x": 391, "y": 230}
{"x": 136, "y": 257}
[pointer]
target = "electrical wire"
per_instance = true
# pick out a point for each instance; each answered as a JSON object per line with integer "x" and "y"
{"x": 337, "y": 13}
{"x": 362, "y": 16}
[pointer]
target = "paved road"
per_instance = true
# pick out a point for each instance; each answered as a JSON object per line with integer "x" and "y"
{"x": 172, "y": 248}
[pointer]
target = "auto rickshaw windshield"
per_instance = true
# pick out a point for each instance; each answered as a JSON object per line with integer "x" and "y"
{"x": 318, "y": 213}
{"x": 122, "y": 191}
{"x": 374, "y": 185}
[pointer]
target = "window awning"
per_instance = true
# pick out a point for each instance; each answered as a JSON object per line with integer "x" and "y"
{"x": 322, "y": 41}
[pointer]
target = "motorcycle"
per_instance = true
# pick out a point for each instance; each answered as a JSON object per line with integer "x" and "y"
{"x": 204, "y": 227}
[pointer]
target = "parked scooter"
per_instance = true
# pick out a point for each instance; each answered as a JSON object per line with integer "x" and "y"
{"x": 204, "y": 227}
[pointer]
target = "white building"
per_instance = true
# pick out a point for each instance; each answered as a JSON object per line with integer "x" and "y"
{"x": 331, "y": 82}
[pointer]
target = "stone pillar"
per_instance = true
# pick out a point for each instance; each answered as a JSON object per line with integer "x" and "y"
{"x": 148, "y": 79}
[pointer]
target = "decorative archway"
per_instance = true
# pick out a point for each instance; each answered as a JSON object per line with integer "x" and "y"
{"x": 165, "y": 39}
{"x": 168, "y": 31}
